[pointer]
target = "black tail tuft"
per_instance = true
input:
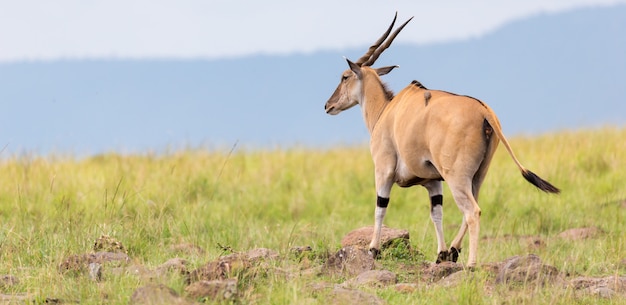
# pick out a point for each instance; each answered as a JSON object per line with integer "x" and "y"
{"x": 540, "y": 183}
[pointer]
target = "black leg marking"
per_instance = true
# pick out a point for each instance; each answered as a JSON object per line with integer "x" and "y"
{"x": 374, "y": 253}
{"x": 442, "y": 257}
{"x": 382, "y": 202}
{"x": 436, "y": 200}
{"x": 454, "y": 254}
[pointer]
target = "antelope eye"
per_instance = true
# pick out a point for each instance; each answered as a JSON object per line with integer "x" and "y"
{"x": 344, "y": 77}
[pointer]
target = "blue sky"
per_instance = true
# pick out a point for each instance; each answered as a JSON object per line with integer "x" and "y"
{"x": 75, "y": 29}
{"x": 112, "y": 102}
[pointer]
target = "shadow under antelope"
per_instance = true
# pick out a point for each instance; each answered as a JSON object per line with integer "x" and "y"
{"x": 423, "y": 137}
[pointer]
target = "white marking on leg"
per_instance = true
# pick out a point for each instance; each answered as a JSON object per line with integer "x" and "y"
{"x": 383, "y": 189}
{"x": 436, "y": 213}
{"x": 378, "y": 224}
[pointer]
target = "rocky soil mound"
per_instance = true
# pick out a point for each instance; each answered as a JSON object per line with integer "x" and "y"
{"x": 226, "y": 277}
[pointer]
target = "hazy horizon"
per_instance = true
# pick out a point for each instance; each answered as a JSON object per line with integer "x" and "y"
{"x": 190, "y": 29}
{"x": 540, "y": 74}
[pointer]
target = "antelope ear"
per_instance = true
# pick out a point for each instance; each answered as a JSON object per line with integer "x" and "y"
{"x": 355, "y": 68}
{"x": 384, "y": 70}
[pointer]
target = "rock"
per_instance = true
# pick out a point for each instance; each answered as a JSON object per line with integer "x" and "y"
{"x": 615, "y": 283}
{"x": 603, "y": 292}
{"x": 436, "y": 272}
{"x": 95, "y": 271}
{"x": 106, "y": 243}
{"x": 7, "y": 281}
{"x": 213, "y": 290}
{"x": 580, "y": 233}
{"x": 177, "y": 264}
{"x": 75, "y": 263}
{"x": 363, "y": 236}
{"x": 376, "y": 278}
{"x": 156, "y": 294}
{"x": 227, "y": 266}
{"x": 221, "y": 269}
{"x": 208, "y": 272}
{"x": 79, "y": 263}
{"x": 526, "y": 269}
{"x": 341, "y": 295}
{"x": 583, "y": 282}
{"x": 454, "y": 279}
{"x": 493, "y": 267}
{"x": 603, "y": 287}
{"x": 350, "y": 260}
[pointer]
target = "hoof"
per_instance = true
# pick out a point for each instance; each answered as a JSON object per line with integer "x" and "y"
{"x": 374, "y": 252}
{"x": 442, "y": 257}
{"x": 454, "y": 254}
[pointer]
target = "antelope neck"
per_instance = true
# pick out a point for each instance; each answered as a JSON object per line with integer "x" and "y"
{"x": 375, "y": 102}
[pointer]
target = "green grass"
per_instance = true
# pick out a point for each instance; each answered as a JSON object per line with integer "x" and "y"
{"x": 54, "y": 206}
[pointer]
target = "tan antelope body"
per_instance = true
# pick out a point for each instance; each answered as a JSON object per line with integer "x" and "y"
{"x": 423, "y": 137}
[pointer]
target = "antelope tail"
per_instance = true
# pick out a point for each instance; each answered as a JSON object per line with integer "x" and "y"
{"x": 528, "y": 175}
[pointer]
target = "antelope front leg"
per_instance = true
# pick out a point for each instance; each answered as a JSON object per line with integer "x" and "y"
{"x": 383, "y": 189}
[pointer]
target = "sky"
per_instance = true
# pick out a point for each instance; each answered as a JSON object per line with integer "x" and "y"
{"x": 33, "y": 30}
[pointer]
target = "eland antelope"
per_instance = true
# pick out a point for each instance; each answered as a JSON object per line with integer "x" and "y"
{"x": 423, "y": 137}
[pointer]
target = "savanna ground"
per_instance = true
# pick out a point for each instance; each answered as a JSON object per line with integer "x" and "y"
{"x": 220, "y": 202}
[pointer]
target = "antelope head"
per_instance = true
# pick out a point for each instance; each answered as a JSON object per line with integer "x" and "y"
{"x": 349, "y": 91}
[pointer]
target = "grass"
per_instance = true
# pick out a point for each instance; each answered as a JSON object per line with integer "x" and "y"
{"x": 54, "y": 206}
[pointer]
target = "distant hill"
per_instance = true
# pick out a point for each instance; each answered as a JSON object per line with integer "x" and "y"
{"x": 540, "y": 74}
